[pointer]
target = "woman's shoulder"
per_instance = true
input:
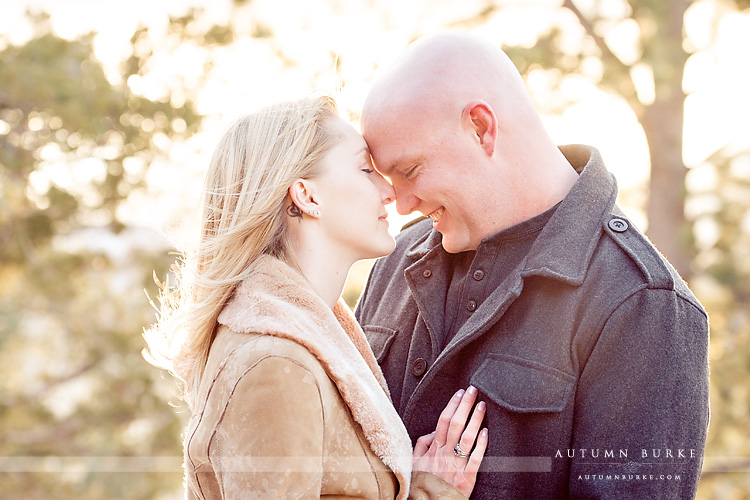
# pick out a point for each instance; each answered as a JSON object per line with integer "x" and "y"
{"x": 244, "y": 360}
{"x": 235, "y": 354}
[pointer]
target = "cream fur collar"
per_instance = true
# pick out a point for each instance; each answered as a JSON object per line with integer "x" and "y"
{"x": 277, "y": 300}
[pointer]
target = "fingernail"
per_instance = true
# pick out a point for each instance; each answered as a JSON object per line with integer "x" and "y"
{"x": 481, "y": 406}
{"x": 460, "y": 393}
{"x": 472, "y": 389}
{"x": 484, "y": 432}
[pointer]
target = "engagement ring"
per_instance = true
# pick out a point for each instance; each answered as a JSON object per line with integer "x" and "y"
{"x": 459, "y": 452}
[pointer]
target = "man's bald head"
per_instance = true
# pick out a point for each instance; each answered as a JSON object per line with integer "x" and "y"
{"x": 440, "y": 74}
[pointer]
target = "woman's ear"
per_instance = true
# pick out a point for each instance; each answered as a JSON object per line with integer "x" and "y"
{"x": 303, "y": 199}
{"x": 480, "y": 118}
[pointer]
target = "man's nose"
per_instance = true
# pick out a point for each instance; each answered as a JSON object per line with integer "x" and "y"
{"x": 406, "y": 202}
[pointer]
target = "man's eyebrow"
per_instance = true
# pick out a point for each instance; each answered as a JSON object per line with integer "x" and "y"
{"x": 394, "y": 165}
{"x": 405, "y": 163}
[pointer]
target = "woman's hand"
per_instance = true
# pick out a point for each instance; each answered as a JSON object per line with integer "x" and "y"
{"x": 445, "y": 452}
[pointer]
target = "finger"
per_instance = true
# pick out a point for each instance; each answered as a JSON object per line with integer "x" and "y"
{"x": 441, "y": 431}
{"x": 476, "y": 457}
{"x": 458, "y": 422}
{"x": 472, "y": 428}
{"x": 423, "y": 444}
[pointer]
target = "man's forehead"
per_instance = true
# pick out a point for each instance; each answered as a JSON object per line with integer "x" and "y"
{"x": 394, "y": 142}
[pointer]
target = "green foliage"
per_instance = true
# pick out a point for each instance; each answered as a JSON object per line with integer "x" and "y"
{"x": 182, "y": 29}
{"x": 57, "y": 110}
{"x": 724, "y": 265}
{"x": 730, "y": 263}
{"x": 72, "y": 307}
{"x": 546, "y": 55}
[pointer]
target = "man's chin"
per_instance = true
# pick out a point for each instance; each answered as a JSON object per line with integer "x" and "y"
{"x": 450, "y": 245}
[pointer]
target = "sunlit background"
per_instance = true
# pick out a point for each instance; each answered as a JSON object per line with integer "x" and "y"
{"x": 109, "y": 112}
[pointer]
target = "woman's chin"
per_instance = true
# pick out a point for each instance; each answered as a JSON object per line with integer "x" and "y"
{"x": 385, "y": 246}
{"x": 389, "y": 248}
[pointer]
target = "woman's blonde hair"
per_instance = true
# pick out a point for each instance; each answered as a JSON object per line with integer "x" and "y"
{"x": 243, "y": 216}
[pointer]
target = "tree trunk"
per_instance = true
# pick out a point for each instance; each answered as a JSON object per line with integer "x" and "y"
{"x": 667, "y": 226}
{"x": 662, "y": 123}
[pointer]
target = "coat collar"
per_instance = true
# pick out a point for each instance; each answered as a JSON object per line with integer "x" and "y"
{"x": 277, "y": 300}
{"x": 559, "y": 252}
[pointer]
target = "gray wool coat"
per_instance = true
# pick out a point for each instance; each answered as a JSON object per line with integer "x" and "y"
{"x": 592, "y": 355}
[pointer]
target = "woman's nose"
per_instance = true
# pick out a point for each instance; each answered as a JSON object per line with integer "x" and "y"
{"x": 388, "y": 193}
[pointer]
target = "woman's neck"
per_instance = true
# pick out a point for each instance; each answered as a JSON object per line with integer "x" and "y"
{"x": 325, "y": 270}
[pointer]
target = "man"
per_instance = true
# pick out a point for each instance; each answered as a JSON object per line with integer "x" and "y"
{"x": 527, "y": 282}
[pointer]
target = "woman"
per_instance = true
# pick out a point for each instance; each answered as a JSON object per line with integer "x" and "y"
{"x": 287, "y": 399}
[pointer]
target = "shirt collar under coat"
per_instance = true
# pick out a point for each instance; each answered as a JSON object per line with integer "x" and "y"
{"x": 277, "y": 300}
{"x": 559, "y": 252}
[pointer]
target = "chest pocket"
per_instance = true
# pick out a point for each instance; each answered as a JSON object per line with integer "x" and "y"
{"x": 523, "y": 386}
{"x": 380, "y": 339}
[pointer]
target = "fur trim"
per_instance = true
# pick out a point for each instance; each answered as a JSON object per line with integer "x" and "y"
{"x": 277, "y": 300}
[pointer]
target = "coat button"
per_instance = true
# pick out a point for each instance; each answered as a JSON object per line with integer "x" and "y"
{"x": 618, "y": 225}
{"x": 478, "y": 275}
{"x": 419, "y": 367}
{"x": 427, "y": 273}
{"x": 471, "y": 306}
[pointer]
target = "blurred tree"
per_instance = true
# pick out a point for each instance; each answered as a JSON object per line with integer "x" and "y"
{"x": 720, "y": 204}
{"x": 73, "y": 147}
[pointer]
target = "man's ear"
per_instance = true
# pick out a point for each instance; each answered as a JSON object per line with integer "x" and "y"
{"x": 302, "y": 193}
{"x": 481, "y": 119}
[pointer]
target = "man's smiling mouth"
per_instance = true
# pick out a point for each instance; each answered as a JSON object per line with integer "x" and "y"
{"x": 437, "y": 214}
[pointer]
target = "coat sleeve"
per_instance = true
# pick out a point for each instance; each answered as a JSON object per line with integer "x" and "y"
{"x": 270, "y": 438}
{"x": 644, "y": 392}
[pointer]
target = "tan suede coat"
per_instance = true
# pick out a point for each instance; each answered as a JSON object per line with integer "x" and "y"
{"x": 292, "y": 403}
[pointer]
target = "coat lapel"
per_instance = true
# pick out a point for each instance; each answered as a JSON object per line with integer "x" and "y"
{"x": 276, "y": 300}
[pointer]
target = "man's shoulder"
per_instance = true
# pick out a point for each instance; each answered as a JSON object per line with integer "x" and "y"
{"x": 636, "y": 253}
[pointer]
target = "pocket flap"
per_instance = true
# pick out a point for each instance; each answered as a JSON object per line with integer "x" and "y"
{"x": 380, "y": 339}
{"x": 521, "y": 385}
